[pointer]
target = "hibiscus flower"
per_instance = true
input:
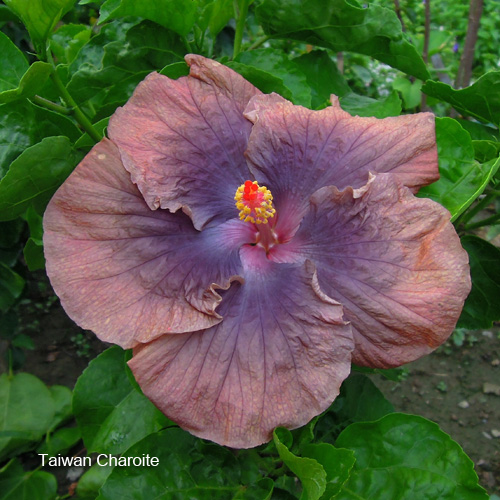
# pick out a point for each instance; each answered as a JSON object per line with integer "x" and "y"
{"x": 249, "y": 250}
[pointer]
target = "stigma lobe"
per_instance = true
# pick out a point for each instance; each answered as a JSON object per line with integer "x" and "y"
{"x": 254, "y": 203}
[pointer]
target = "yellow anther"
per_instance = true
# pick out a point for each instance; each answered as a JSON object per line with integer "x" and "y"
{"x": 254, "y": 203}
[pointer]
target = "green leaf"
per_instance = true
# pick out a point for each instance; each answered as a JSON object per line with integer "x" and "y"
{"x": 178, "y": 16}
{"x": 26, "y": 412}
{"x": 110, "y": 66}
{"x": 9, "y": 324}
{"x": 91, "y": 482}
{"x": 175, "y": 70}
{"x": 11, "y": 286}
{"x": 62, "y": 397}
{"x": 394, "y": 374}
{"x": 68, "y": 40}
{"x": 186, "y": 469}
{"x": 23, "y": 342}
{"x": 485, "y": 151}
{"x": 60, "y": 442}
{"x": 481, "y": 100}
{"x": 312, "y": 475}
{"x": 34, "y": 176}
{"x": 405, "y": 457}
{"x": 482, "y": 306}
{"x": 31, "y": 83}
{"x": 15, "y": 484}
{"x": 22, "y": 124}
{"x": 277, "y": 63}
{"x": 33, "y": 250}
{"x": 86, "y": 142}
{"x": 106, "y": 405}
{"x": 215, "y": 15}
{"x": 14, "y": 64}
{"x": 343, "y": 25}
{"x": 462, "y": 178}
{"x": 40, "y": 17}
{"x": 479, "y": 131}
{"x": 361, "y": 105}
{"x": 359, "y": 400}
{"x": 263, "y": 80}
{"x": 322, "y": 76}
{"x": 337, "y": 463}
{"x": 411, "y": 91}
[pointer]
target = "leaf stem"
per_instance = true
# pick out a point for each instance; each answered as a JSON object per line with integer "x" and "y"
{"x": 187, "y": 43}
{"x": 485, "y": 222}
{"x": 259, "y": 42}
{"x": 240, "y": 12}
{"x": 45, "y": 103}
{"x": 480, "y": 205}
{"x": 80, "y": 117}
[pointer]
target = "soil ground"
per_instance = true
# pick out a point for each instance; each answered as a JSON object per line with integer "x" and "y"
{"x": 457, "y": 386}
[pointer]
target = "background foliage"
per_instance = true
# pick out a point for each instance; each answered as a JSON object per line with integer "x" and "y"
{"x": 66, "y": 66}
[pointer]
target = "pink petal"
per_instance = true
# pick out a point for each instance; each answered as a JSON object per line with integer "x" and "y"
{"x": 277, "y": 358}
{"x": 183, "y": 140}
{"x": 296, "y": 151}
{"x": 129, "y": 273}
{"x": 393, "y": 261}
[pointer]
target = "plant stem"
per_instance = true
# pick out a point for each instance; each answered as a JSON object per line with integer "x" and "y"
{"x": 465, "y": 69}
{"x": 484, "y": 222}
{"x": 187, "y": 44}
{"x": 240, "y": 12}
{"x": 45, "y": 103}
{"x": 259, "y": 42}
{"x": 80, "y": 117}
{"x": 425, "y": 53}
{"x": 480, "y": 205}
{"x": 397, "y": 8}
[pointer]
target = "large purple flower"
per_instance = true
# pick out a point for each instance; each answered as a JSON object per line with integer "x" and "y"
{"x": 246, "y": 316}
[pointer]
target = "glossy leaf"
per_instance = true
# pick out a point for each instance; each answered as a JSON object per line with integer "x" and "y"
{"x": 482, "y": 306}
{"x": 481, "y": 100}
{"x": 404, "y": 457}
{"x": 322, "y": 76}
{"x": 110, "y": 66}
{"x": 359, "y": 400}
{"x": 343, "y": 25}
{"x": 107, "y": 403}
{"x": 16, "y": 484}
{"x": 277, "y": 64}
{"x": 22, "y": 124}
{"x": 90, "y": 483}
{"x": 33, "y": 250}
{"x": 11, "y": 286}
{"x": 337, "y": 463}
{"x": 178, "y": 16}
{"x": 26, "y": 412}
{"x": 34, "y": 176}
{"x": 31, "y": 83}
{"x": 311, "y": 473}
{"x": 14, "y": 64}
{"x": 62, "y": 397}
{"x": 40, "y": 17}
{"x": 485, "y": 151}
{"x": 186, "y": 469}
{"x": 215, "y": 14}
{"x": 359, "y": 105}
{"x": 462, "y": 179}
{"x": 68, "y": 40}
{"x": 263, "y": 80}
{"x": 60, "y": 442}
{"x": 409, "y": 90}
